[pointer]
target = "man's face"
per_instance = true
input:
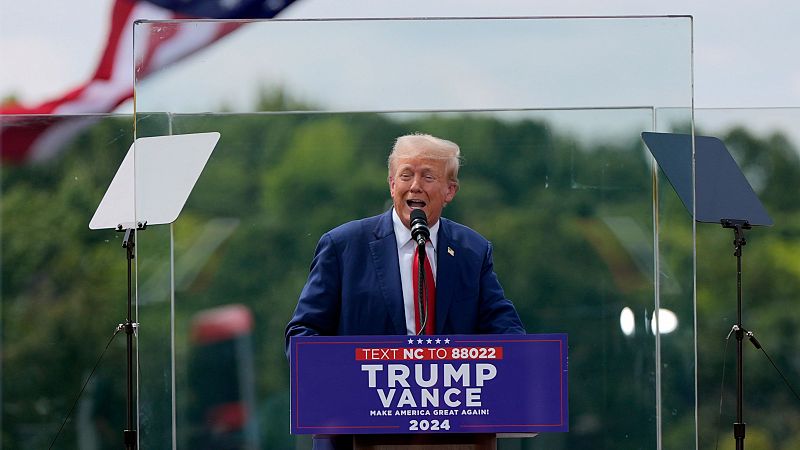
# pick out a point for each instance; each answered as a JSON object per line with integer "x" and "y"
{"x": 419, "y": 182}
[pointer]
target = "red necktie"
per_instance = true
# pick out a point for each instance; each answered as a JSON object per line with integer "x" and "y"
{"x": 430, "y": 288}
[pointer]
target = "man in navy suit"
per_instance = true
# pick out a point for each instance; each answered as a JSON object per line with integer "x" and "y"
{"x": 361, "y": 275}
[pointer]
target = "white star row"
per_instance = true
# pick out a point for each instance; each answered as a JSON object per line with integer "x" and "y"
{"x": 428, "y": 341}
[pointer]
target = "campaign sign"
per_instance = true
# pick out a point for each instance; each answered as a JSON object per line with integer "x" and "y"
{"x": 429, "y": 384}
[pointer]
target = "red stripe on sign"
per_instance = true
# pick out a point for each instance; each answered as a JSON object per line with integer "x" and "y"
{"x": 429, "y": 353}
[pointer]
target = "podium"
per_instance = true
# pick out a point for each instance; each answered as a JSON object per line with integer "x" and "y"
{"x": 428, "y": 392}
{"x": 482, "y": 441}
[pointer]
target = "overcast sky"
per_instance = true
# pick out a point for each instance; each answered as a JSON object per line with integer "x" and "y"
{"x": 745, "y": 51}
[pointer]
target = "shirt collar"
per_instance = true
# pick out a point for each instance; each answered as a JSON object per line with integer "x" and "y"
{"x": 403, "y": 234}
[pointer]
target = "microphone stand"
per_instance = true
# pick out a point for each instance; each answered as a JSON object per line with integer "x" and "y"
{"x": 422, "y": 304}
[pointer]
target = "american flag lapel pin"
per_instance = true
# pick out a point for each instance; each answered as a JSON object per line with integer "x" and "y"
{"x": 451, "y": 251}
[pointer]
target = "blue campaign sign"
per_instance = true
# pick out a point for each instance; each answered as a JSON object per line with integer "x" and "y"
{"x": 429, "y": 384}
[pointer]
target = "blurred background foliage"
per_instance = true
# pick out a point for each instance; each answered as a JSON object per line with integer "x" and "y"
{"x": 571, "y": 222}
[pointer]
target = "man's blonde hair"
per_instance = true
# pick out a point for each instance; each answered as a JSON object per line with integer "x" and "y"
{"x": 427, "y": 146}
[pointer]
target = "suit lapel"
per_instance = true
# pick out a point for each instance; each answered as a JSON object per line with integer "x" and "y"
{"x": 446, "y": 272}
{"x": 387, "y": 270}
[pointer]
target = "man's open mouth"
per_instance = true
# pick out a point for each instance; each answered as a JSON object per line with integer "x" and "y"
{"x": 415, "y": 204}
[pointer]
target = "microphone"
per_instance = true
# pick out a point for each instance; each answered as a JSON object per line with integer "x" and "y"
{"x": 419, "y": 227}
{"x": 420, "y": 233}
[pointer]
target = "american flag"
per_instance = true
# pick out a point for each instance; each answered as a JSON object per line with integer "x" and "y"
{"x": 28, "y": 138}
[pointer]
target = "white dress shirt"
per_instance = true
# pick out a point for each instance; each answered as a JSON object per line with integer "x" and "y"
{"x": 405, "y": 253}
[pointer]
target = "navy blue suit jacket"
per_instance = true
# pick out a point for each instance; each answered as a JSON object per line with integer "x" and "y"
{"x": 354, "y": 285}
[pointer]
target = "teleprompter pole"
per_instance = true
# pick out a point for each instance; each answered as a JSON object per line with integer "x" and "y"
{"x": 739, "y": 242}
{"x": 129, "y": 244}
